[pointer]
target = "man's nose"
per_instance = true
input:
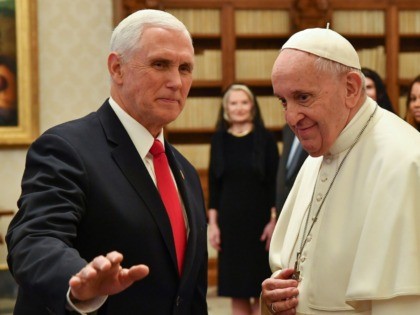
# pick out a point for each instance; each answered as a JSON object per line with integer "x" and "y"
{"x": 175, "y": 80}
{"x": 292, "y": 114}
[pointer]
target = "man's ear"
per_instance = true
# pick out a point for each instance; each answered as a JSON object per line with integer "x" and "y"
{"x": 115, "y": 68}
{"x": 354, "y": 88}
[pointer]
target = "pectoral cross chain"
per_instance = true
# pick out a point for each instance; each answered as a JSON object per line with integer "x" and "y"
{"x": 296, "y": 273}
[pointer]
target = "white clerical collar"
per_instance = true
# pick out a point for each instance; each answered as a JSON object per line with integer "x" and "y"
{"x": 141, "y": 137}
{"x": 350, "y": 132}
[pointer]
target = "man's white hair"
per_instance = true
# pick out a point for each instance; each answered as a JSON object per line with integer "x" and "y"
{"x": 129, "y": 31}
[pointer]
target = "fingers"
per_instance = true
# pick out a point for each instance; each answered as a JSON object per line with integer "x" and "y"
{"x": 138, "y": 272}
{"x": 264, "y": 236}
{"x": 276, "y": 293}
{"x": 284, "y": 307}
{"x": 285, "y": 274}
{"x": 98, "y": 265}
{"x": 114, "y": 257}
{"x": 112, "y": 260}
{"x": 280, "y": 293}
{"x": 135, "y": 273}
{"x": 105, "y": 276}
{"x": 215, "y": 241}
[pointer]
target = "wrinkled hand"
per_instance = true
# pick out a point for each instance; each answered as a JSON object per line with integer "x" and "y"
{"x": 267, "y": 234}
{"x": 104, "y": 276}
{"x": 214, "y": 236}
{"x": 280, "y": 293}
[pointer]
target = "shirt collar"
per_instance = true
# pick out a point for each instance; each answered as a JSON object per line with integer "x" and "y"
{"x": 141, "y": 137}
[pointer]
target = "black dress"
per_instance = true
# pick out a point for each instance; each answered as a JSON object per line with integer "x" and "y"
{"x": 242, "y": 178}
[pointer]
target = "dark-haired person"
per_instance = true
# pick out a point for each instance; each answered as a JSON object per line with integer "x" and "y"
{"x": 413, "y": 104}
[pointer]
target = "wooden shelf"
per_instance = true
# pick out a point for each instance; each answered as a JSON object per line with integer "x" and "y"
{"x": 189, "y": 136}
{"x": 6, "y": 212}
{"x": 269, "y": 42}
{"x": 203, "y": 42}
{"x": 409, "y": 43}
{"x": 228, "y": 40}
{"x": 365, "y": 41}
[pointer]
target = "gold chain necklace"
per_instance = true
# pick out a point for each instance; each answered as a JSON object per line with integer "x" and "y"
{"x": 242, "y": 133}
{"x": 296, "y": 273}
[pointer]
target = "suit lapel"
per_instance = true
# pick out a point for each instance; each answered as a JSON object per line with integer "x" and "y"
{"x": 298, "y": 157}
{"x": 133, "y": 168}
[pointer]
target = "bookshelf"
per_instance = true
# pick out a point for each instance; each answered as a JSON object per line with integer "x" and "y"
{"x": 238, "y": 41}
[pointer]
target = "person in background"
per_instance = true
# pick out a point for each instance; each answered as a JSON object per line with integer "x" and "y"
{"x": 375, "y": 88}
{"x": 242, "y": 174}
{"x": 291, "y": 160}
{"x": 94, "y": 230}
{"x": 8, "y": 92}
{"x": 413, "y": 104}
{"x": 347, "y": 239}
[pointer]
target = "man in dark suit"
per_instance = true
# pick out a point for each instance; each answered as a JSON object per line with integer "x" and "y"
{"x": 291, "y": 160}
{"x": 92, "y": 232}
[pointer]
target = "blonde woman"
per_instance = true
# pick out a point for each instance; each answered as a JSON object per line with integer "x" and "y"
{"x": 242, "y": 175}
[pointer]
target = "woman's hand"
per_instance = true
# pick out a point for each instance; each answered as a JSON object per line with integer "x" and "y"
{"x": 214, "y": 236}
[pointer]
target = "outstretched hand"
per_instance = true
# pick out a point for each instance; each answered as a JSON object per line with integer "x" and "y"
{"x": 104, "y": 276}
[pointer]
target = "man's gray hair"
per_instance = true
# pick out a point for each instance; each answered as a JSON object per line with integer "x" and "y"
{"x": 128, "y": 32}
{"x": 337, "y": 69}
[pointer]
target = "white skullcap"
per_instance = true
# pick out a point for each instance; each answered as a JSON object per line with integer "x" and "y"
{"x": 325, "y": 43}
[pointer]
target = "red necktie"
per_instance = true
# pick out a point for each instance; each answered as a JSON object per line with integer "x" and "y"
{"x": 170, "y": 198}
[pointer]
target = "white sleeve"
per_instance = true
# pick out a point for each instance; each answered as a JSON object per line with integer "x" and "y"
{"x": 86, "y": 306}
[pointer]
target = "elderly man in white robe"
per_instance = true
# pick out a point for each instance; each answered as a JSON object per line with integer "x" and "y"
{"x": 348, "y": 238}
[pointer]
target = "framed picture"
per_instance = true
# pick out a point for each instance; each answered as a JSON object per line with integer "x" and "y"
{"x": 19, "y": 122}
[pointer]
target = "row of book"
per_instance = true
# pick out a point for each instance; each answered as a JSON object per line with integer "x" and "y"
{"x": 250, "y": 64}
{"x": 199, "y": 112}
{"x": 199, "y": 21}
{"x": 359, "y": 22}
{"x": 208, "y": 65}
{"x": 257, "y": 64}
{"x": 374, "y": 58}
{"x": 202, "y": 112}
{"x": 207, "y": 21}
{"x": 199, "y": 154}
{"x": 409, "y": 22}
{"x": 409, "y": 65}
{"x": 262, "y": 22}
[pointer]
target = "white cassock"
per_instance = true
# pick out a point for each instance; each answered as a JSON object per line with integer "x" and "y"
{"x": 363, "y": 254}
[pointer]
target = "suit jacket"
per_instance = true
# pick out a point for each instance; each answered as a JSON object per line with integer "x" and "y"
{"x": 286, "y": 176}
{"x": 86, "y": 192}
